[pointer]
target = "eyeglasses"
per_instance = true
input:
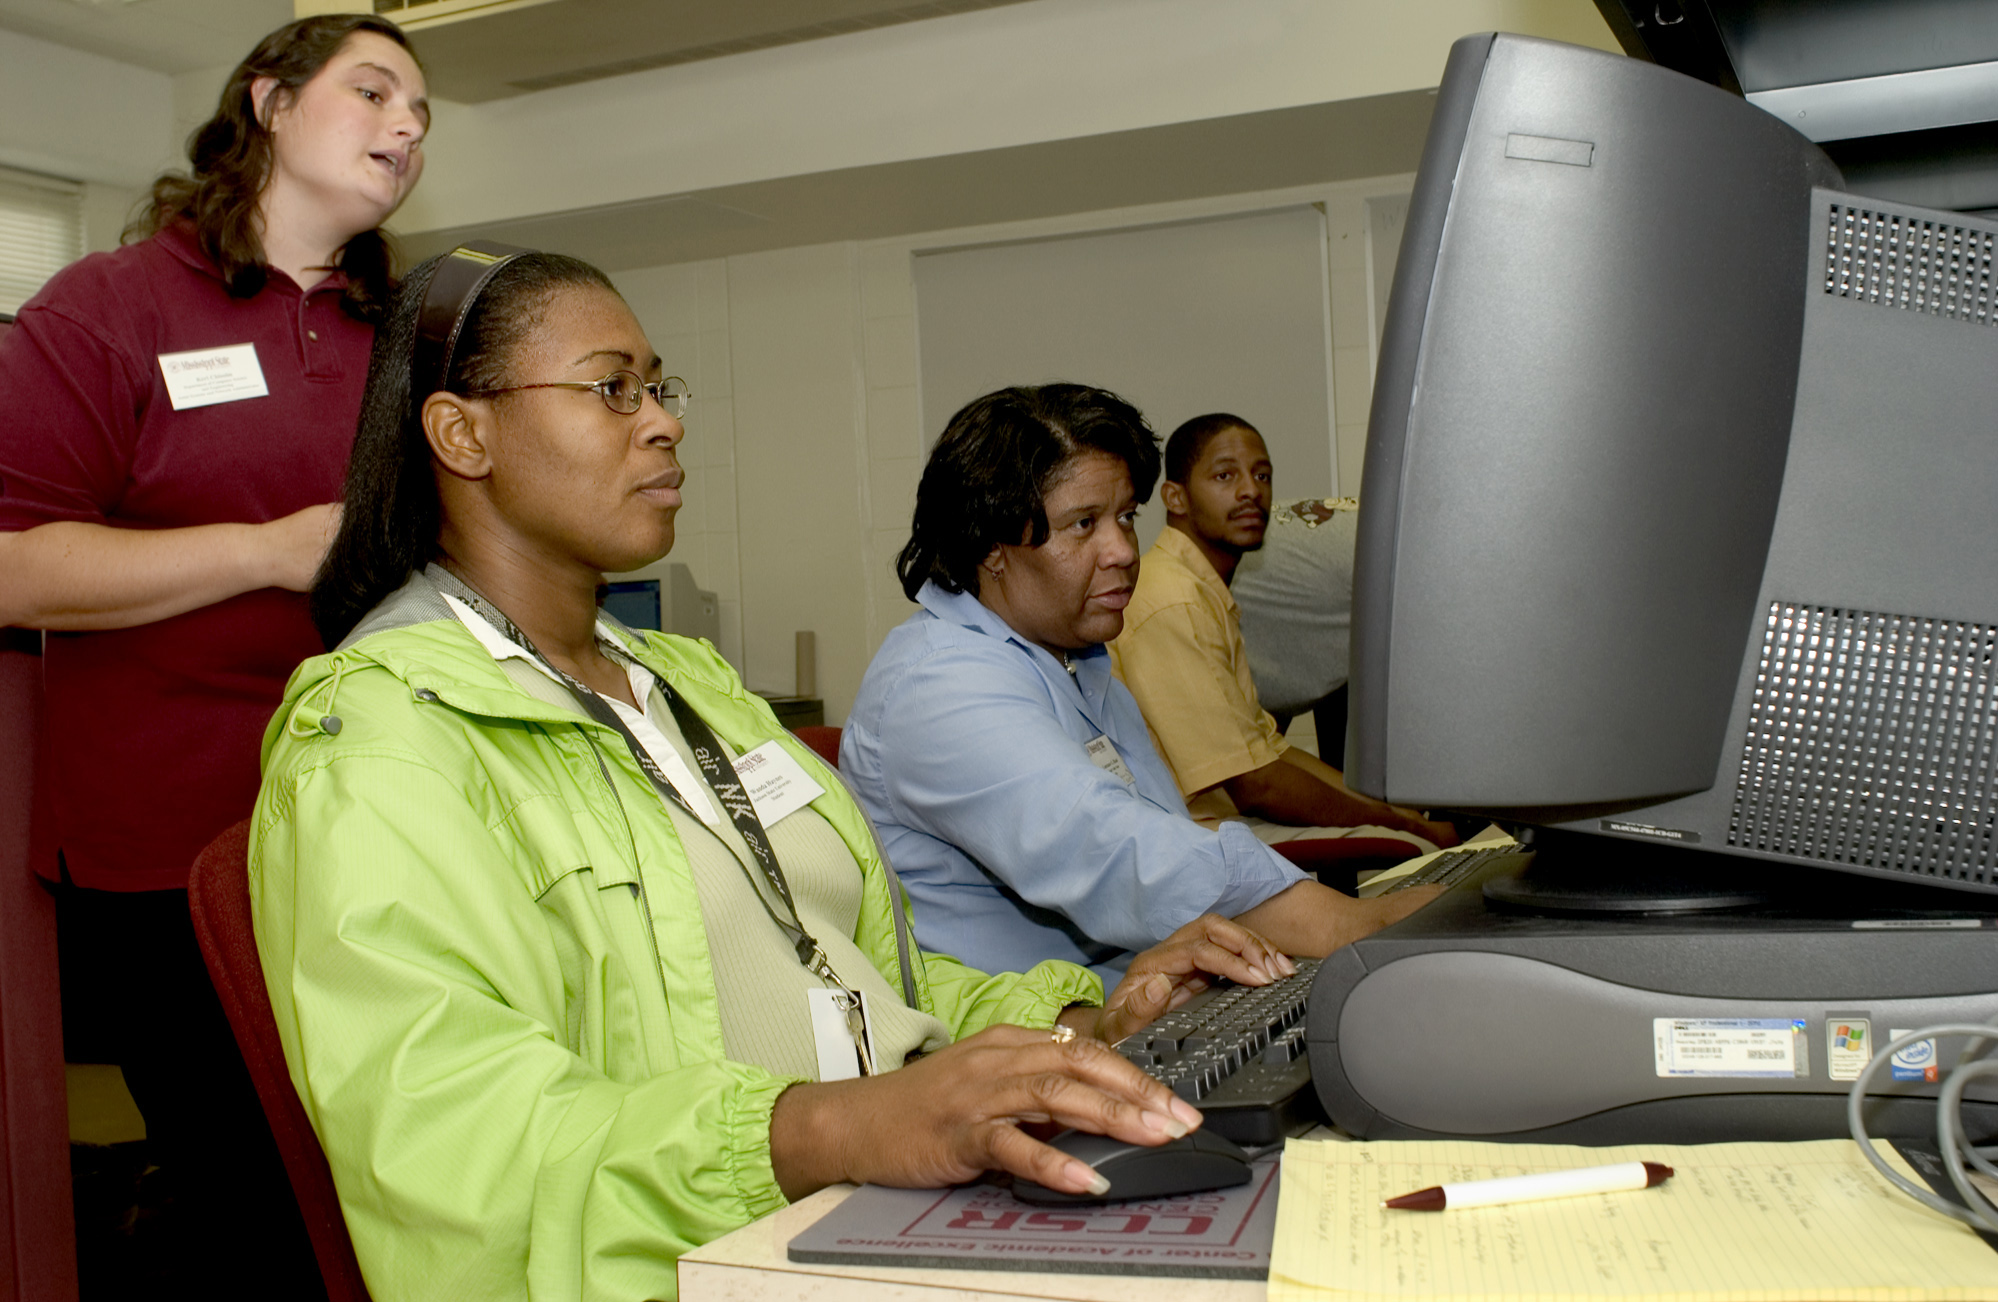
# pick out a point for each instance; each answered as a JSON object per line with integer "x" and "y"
{"x": 622, "y": 391}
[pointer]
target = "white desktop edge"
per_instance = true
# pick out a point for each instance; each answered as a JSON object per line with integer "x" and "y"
{"x": 750, "y": 1264}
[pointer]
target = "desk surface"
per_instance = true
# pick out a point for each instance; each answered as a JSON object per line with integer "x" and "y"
{"x": 750, "y": 1264}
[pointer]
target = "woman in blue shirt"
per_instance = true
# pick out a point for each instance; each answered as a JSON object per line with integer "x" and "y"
{"x": 1011, "y": 777}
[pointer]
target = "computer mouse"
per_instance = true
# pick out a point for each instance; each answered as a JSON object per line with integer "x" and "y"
{"x": 1194, "y": 1164}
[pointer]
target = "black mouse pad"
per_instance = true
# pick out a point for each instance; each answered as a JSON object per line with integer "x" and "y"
{"x": 1225, "y": 1234}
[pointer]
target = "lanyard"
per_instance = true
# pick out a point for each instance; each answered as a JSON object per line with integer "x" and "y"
{"x": 715, "y": 768}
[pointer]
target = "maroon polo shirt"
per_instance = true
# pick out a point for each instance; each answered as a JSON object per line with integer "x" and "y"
{"x": 151, "y": 734}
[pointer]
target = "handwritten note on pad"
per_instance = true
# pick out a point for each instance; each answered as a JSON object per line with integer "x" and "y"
{"x": 1736, "y": 1223}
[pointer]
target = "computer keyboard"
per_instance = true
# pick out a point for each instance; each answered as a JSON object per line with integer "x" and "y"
{"x": 1447, "y": 868}
{"x": 1237, "y": 1053}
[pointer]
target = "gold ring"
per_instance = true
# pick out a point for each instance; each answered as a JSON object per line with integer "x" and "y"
{"x": 1062, "y": 1033}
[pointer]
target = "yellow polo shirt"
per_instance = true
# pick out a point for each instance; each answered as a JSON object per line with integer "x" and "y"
{"x": 1182, "y": 656}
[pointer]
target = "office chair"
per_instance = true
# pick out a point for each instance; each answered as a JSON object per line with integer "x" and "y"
{"x": 218, "y": 895}
{"x": 823, "y": 740}
{"x": 37, "y": 1230}
{"x": 1339, "y": 863}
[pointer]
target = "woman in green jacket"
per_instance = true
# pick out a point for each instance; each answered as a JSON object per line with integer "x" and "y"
{"x": 563, "y": 993}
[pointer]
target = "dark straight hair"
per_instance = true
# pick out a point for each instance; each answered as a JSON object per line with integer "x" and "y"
{"x": 393, "y": 516}
{"x": 230, "y": 158}
{"x": 988, "y": 477}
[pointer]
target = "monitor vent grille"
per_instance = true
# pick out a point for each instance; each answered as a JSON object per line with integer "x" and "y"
{"x": 1922, "y": 266}
{"x": 1871, "y": 743}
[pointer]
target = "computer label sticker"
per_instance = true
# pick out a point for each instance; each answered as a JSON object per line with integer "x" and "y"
{"x": 1915, "y": 1061}
{"x": 1653, "y": 831}
{"x": 1730, "y": 1046}
{"x": 1848, "y": 1044}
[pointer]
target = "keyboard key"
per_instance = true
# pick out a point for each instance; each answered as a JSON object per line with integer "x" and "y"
{"x": 1238, "y": 1053}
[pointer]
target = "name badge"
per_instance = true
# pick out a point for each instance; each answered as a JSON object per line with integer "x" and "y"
{"x": 1103, "y": 752}
{"x": 777, "y": 784}
{"x": 206, "y": 376}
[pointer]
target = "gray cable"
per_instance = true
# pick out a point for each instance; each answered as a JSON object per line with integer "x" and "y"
{"x": 1979, "y": 1213}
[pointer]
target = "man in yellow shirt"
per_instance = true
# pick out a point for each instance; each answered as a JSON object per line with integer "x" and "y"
{"x": 1182, "y": 656}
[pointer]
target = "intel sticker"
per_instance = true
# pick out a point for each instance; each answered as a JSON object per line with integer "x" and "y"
{"x": 1915, "y": 1061}
{"x": 1730, "y": 1046}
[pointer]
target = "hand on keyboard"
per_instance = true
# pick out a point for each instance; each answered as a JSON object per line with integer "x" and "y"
{"x": 1171, "y": 972}
{"x": 1238, "y": 1054}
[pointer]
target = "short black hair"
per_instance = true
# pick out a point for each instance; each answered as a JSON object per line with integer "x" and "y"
{"x": 1183, "y": 449}
{"x": 988, "y": 476}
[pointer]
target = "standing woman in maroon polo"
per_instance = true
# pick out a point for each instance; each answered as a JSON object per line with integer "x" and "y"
{"x": 175, "y": 419}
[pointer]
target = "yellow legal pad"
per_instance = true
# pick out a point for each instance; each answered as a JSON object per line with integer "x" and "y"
{"x": 1736, "y": 1223}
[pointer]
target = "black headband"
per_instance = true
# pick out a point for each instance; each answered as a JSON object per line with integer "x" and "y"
{"x": 454, "y": 287}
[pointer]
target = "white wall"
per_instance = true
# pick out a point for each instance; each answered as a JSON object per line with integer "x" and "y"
{"x": 685, "y": 311}
{"x": 106, "y": 209}
{"x": 1013, "y": 75}
{"x": 801, "y": 488}
{"x": 805, "y": 439}
{"x": 1228, "y": 314}
{"x": 80, "y": 117}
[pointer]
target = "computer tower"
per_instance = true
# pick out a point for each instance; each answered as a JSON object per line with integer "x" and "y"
{"x": 1470, "y": 1019}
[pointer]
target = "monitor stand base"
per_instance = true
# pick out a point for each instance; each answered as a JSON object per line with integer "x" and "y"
{"x": 1577, "y": 874}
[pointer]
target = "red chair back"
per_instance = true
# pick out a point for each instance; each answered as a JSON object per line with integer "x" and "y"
{"x": 37, "y": 1231}
{"x": 218, "y": 895}
{"x": 821, "y": 739}
{"x": 1338, "y": 862}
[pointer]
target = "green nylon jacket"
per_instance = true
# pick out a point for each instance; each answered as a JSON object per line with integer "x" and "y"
{"x": 485, "y": 954}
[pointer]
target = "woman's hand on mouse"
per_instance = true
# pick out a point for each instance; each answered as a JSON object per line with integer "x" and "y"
{"x": 945, "y": 1118}
{"x": 1171, "y": 972}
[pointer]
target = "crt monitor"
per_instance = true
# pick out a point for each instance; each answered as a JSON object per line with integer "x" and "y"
{"x": 1681, "y": 486}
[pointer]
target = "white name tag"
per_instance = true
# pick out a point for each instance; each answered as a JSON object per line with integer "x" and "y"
{"x": 777, "y": 784}
{"x": 206, "y": 376}
{"x": 1103, "y": 752}
{"x": 839, "y": 1057}
{"x": 832, "y": 1031}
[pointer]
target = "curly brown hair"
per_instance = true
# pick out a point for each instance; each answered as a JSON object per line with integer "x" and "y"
{"x": 230, "y": 156}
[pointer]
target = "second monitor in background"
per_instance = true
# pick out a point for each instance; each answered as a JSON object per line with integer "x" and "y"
{"x": 671, "y": 602}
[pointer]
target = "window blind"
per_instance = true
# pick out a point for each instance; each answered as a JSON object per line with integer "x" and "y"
{"x": 41, "y": 232}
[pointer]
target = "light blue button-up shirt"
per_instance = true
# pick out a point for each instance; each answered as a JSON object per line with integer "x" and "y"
{"x": 968, "y": 746}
